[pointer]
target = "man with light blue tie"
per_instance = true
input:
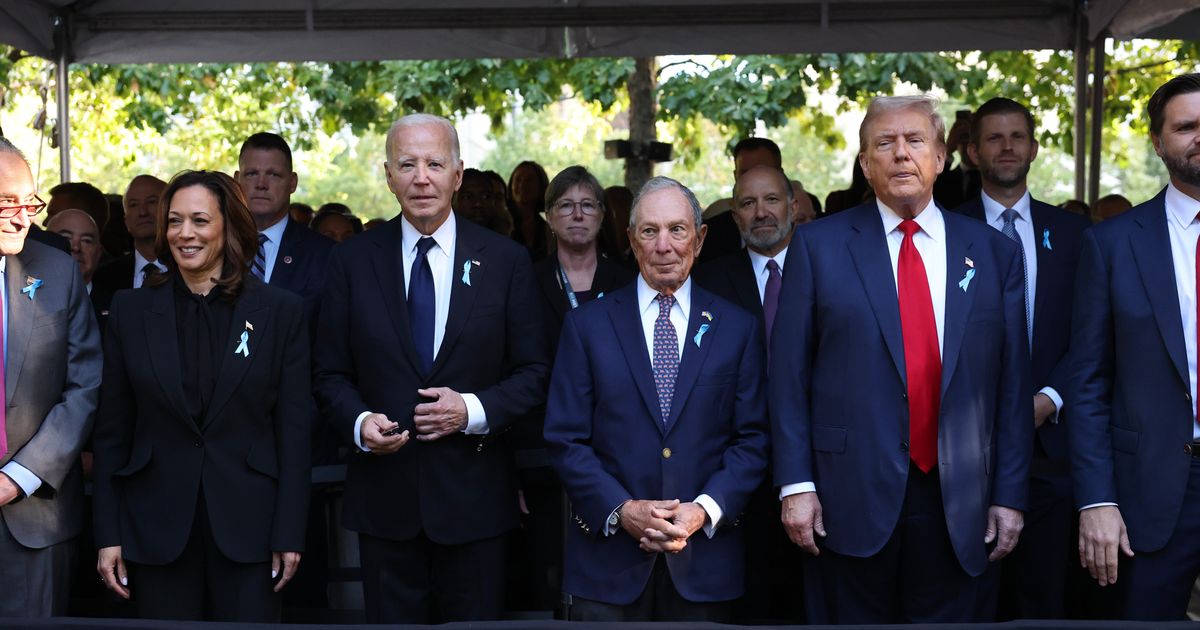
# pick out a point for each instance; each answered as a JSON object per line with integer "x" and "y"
{"x": 1032, "y": 580}
{"x": 49, "y": 386}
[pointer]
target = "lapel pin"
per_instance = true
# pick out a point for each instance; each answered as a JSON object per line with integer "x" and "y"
{"x": 968, "y": 262}
{"x": 700, "y": 334}
{"x": 966, "y": 281}
{"x": 31, "y": 286}
{"x": 1046, "y": 238}
{"x": 243, "y": 347}
{"x": 706, "y": 315}
{"x": 466, "y": 276}
{"x": 287, "y": 260}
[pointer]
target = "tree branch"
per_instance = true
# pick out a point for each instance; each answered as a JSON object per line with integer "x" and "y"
{"x": 679, "y": 63}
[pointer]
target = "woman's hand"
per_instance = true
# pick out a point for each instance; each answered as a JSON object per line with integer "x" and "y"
{"x": 290, "y": 560}
{"x": 111, "y": 567}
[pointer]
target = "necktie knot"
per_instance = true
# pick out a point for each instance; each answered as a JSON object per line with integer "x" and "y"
{"x": 424, "y": 244}
{"x": 772, "y": 266}
{"x": 262, "y": 239}
{"x": 909, "y": 227}
{"x": 665, "y": 302}
{"x": 148, "y": 269}
{"x": 1009, "y": 215}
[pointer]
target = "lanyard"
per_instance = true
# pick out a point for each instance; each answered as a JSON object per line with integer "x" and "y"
{"x": 566, "y": 285}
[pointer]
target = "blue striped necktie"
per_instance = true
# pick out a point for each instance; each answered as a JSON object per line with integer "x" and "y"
{"x": 259, "y": 267}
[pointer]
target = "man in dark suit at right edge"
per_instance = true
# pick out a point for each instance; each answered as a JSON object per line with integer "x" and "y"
{"x": 1133, "y": 432}
{"x": 1032, "y": 581}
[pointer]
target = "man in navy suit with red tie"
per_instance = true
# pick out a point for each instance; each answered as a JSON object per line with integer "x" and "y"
{"x": 900, "y": 413}
{"x": 1134, "y": 436}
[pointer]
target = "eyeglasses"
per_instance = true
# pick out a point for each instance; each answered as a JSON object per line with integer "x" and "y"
{"x": 589, "y": 207}
{"x": 30, "y": 209}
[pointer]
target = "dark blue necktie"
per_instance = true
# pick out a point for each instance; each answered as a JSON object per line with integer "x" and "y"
{"x": 421, "y": 303}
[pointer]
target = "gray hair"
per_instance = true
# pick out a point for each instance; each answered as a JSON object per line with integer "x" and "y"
{"x": 656, "y": 184}
{"x": 779, "y": 174}
{"x": 417, "y": 120}
{"x": 923, "y": 103}
{"x": 570, "y": 177}
{"x": 6, "y": 146}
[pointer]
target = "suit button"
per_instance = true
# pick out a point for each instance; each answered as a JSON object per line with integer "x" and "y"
{"x": 904, "y": 446}
{"x": 1187, "y": 395}
{"x": 196, "y": 444}
{"x": 904, "y": 396}
{"x": 666, "y": 453}
{"x": 1187, "y": 448}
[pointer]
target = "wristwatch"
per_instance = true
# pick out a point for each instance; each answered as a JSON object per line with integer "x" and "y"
{"x": 614, "y": 519}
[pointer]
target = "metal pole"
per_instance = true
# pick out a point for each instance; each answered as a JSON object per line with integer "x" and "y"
{"x": 63, "y": 75}
{"x": 1081, "y": 55}
{"x": 1098, "y": 58}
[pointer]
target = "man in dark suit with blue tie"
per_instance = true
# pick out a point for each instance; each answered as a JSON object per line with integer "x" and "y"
{"x": 1033, "y": 578}
{"x": 427, "y": 332}
{"x": 1133, "y": 432}
{"x": 656, "y": 425}
{"x": 899, "y": 389}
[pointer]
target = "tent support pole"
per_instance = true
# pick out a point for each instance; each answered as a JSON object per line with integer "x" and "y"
{"x": 63, "y": 75}
{"x": 1098, "y": 60}
{"x": 1081, "y": 58}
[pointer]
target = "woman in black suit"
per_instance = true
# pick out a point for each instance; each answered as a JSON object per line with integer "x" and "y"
{"x": 202, "y": 438}
{"x": 576, "y": 271}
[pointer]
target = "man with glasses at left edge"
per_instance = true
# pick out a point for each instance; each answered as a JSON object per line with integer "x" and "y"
{"x": 49, "y": 384}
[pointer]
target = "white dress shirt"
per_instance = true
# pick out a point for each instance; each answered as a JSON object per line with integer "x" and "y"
{"x": 441, "y": 263}
{"x": 139, "y": 263}
{"x": 648, "y": 307}
{"x": 25, "y": 480}
{"x": 994, "y": 211}
{"x": 270, "y": 247}
{"x": 930, "y": 242}
{"x": 758, "y": 263}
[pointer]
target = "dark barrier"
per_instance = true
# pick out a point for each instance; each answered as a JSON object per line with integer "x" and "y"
{"x": 94, "y": 624}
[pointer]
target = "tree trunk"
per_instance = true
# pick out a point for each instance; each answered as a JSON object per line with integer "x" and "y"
{"x": 642, "y": 112}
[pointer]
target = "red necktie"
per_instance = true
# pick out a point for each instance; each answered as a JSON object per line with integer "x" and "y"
{"x": 922, "y": 361}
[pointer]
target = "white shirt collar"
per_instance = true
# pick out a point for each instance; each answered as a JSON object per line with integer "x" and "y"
{"x": 3, "y": 263}
{"x": 443, "y": 236}
{"x": 1180, "y": 207}
{"x": 993, "y": 209}
{"x": 646, "y": 295}
{"x": 275, "y": 232}
{"x": 930, "y": 220}
{"x": 139, "y": 262}
{"x": 759, "y": 262}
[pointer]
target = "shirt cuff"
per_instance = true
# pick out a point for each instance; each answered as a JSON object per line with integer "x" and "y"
{"x": 789, "y": 489}
{"x": 25, "y": 480}
{"x": 1102, "y": 504}
{"x": 476, "y": 417}
{"x": 358, "y": 431}
{"x": 1054, "y": 398}
{"x": 714, "y": 514}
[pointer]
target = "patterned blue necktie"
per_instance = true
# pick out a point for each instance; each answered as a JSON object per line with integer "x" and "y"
{"x": 259, "y": 266}
{"x": 666, "y": 355}
{"x": 421, "y": 303}
{"x": 1010, "y": 230}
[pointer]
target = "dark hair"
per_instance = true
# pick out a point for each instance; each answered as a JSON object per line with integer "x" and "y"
{"x": 241, "y": 235}
{"x": 335, "y": 207}
{"x": 995, "y": 107}
{"x": 83, "y": 196}
{"x": 543, "y": 183}
{"x": 267, "y": 141}
{"x": 755, "y": 144}
{"x": 1182, "y": 84}
{"x": 355, "y": 224}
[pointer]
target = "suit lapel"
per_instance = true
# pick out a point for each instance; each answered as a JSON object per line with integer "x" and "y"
{"x": 746, "y": 285}
{"x": 19, "y": 320}
{"x": 627, "y": 322}
{"x": 1152, "y": 251}
{"x": 387, "y": 261}
{"x": 1045, "y": 260}
{"x": 248, "y": 309}
{"x": 958, "y": 301}
{"x": 162, "y": 345}
{"x": 547, "y": 279}
{"x": 467, "y": 252}
{"x": 869, "y": 250}
{"x": 693, "y": 353}
{"x": 282, "y": 272}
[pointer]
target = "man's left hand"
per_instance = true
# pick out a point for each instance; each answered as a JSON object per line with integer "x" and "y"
{"x": 689, "y": 516}
{"x": 1043, "y": 408}
{"x": 9, "y": 491}
{"x": 1004, "y": 526}
{"x": 445, "y": 415}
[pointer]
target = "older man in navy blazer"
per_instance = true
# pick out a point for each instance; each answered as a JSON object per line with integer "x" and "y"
{"x": 657, "y": 426}
{"x": 900, "y": 388}
{"x": 1134, "y": 437}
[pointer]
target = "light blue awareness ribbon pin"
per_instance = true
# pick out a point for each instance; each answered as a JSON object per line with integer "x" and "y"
{"x": 700, "y": 334}
{"x": 243, "y": 347}
{"x": 966, "y": 281}
{"x": 466, "y": 277}
{"x": 1046, "y": 238}
{"x": 34, "y": 285}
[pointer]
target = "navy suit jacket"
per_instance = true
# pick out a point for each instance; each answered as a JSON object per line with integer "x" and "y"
{"x": 300, "y": 265}
{"x": 732, "y": 277}
{"x": 1131, "y": 391}
{"x": 459, "y": 488}
{"x": 1059, "y": 234}
{"x": 608, "y": 442}
{"x": 839, "y": 410}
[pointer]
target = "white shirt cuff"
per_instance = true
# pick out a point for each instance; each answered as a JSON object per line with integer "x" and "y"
{"x": 1054, "y": 398}
{"x": 789, "y": 489}
{"x": 714, "y": 514}
{"x": 358, "y": 431}
{"x": 476, "y": 417}
{"x": 25, "y": 480}
{"x": 1102, "y": 504}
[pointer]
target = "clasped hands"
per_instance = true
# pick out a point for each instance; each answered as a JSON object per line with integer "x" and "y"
{"x": 662, "y": 526}
{"x": 442, "y": 416}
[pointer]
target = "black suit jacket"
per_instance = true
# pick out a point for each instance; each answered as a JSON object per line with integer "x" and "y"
{"x": 610, "y": 275}
{"x": 248, "y": 460}
{"x": 459, "y": 488}
{"x": 1059, "y": 235}
{"x": 115, "y": 275}
{"x": 732, "y": 277}
{"x": 300, "y": 266}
